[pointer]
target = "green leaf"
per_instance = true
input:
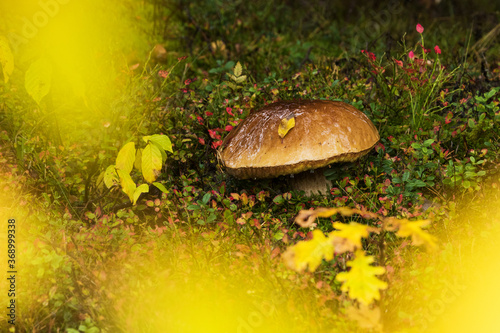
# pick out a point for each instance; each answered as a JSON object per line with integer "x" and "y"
{"x": 406, "y": 176}
{"x": 144, "y": 188}
{"x": 228, "y": 216}
{"x": 206, "y": 198}
{"x": 128, "y": 185}
{"x": 160, "y": 187}
{"x": 110, "y": 177}
{"x": 6, "y": 59}
{"x": 151, "y": 162}
{"x": 162, "y": 140}
{"x": 211, "y": 218}
{"x": 278, "y": 199}
{"x": 237, "y": 69}
{"x": 491, "y": 93}
{"x": 37, "y": 79}
{"x": 279, "y": 235}
{"x": 416, "y": 145}
{"x": 471, "y": 123}
{"x": 126, "y": 157}
{"x": 428, "y": 142}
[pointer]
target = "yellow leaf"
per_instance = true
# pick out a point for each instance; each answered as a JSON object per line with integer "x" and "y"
{"x": 144, "y": 188}
{"x": 151, "y": 162}
{"x": 237, "y": 69}
{"x": 286, "y": 125}
{"x": 348, "y": 237}
{"x": 418, "y": 236}
{"x": 110, "y": 178}
{"x": 309, "y": 253}
{"x": 126, "y": 157}
{"x": 361, "y": 282}
{"x": 128, "y": 185}
{"x": 161, "y": 140}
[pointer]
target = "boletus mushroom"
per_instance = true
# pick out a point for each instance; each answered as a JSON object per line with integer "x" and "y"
{"x": 295, "y": 138}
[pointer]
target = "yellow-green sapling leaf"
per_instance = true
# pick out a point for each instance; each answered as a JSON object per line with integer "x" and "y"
{"x": 160, "y": 187}
{"x": 126, "y": 157}
{"x": 144, "y": 188}
{"x": 151, "y": 162}
{"x": 161, "y": 140}
{"x": 110, "y": 176}
{"x": 38, "y": 78}
{"x": 128, "y": 185}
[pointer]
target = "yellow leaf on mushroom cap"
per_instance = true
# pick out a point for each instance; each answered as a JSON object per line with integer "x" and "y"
{"x": 286, "y": 125}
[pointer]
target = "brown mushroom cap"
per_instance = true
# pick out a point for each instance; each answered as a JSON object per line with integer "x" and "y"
{"x": 325, "y": 132}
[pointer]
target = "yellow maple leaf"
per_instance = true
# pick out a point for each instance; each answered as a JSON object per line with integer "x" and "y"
{"x": 286, "y": 125}
{"x": 418, "y": 236}
{"x": 348, "y": 237}
{"x": 361, "y": 282}
{"x": 309, "y": 253}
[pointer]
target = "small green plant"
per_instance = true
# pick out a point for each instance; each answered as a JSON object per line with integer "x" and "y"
{"x": 464, "y": 175}
{"x": 148, "y": 160}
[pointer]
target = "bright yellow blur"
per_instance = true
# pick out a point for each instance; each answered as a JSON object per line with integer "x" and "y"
{"x": 156, "y": 297}
{"x": 90, "y": 45}
{"x": 475, "y": 302}
{"x": 456, "y": 289}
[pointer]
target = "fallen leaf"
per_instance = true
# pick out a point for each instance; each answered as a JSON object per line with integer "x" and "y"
{"x": 286, "y": 125}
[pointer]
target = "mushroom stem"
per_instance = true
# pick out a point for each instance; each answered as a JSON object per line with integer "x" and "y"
{"x": 311, "y": 182}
